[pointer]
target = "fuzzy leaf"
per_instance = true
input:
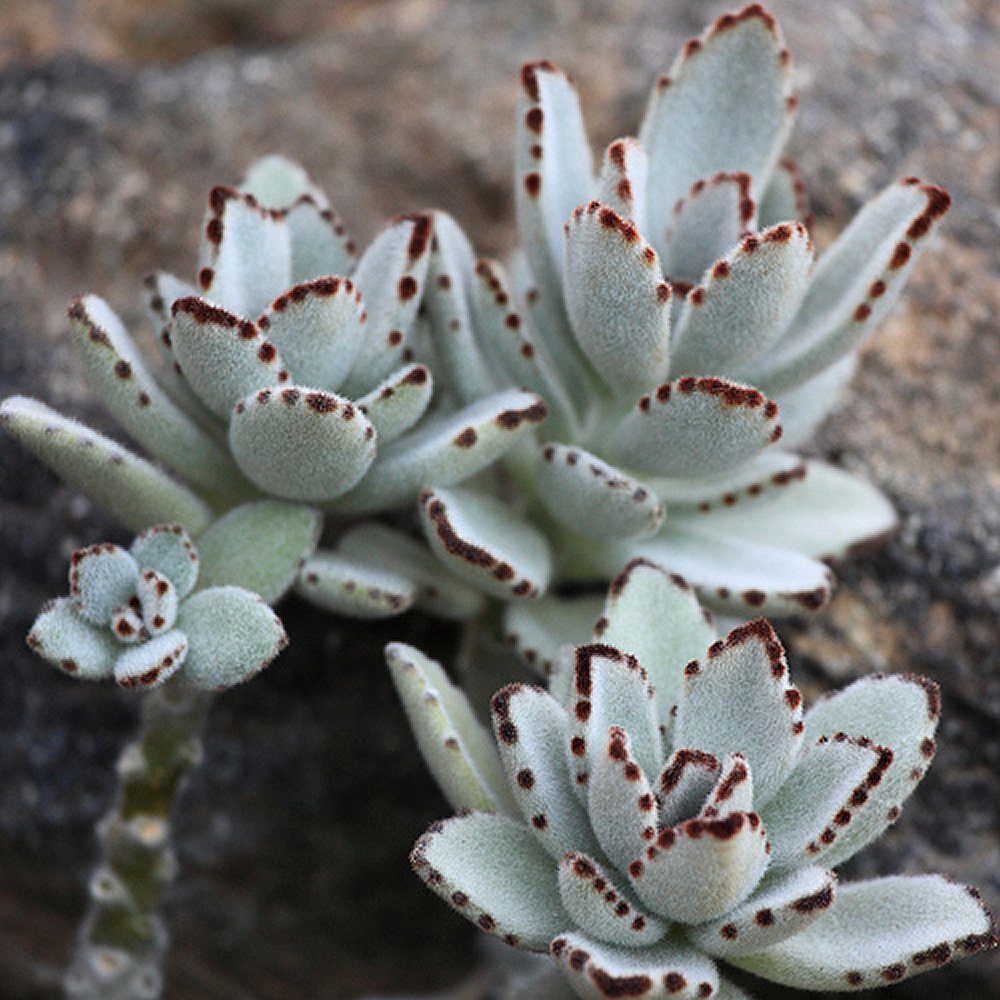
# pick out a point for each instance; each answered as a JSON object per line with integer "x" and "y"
{"x": 458, "y": 749}
{"x": 232, "y": 635}
{"x": 821, "y": 797}
{"x": 125, "y": 485}
{"x": 602, "y": 908}
{"x": 246, "y": 258}
{"x": 696, "y": 427}
{"x": 824, "y": 514}
{"x": 707, "y": 223}
{"x": 118, "y": 374}
{"x": 397, "y": 403}
{"x": 259, "y": 546}
{"x": 458, "y": 361}
{"x": 159, "y": 600}
{"x": 538, "y": 629}
{"x": 879, "y": 932}
{"x": 223, "y": 357}
{"x": 168, "y": 549}
{"x": 513, "y": 347}
{"x": 445, "y": 450}
{"x": 101, "y": 579}
{"x": 738, "y": 575}
{"x": 685, "y": 782}
{"x": 785, "y": 197}
{"x": 351, "y": 587}
{"x": 150, "y": 663}
{"x": 533, "y": 738}
{"x": 318, "y": 328}
{"x": 764, "y": 723}
{"x": 277, "y": 182}
{"x": 782, "y": 905}
{"x": 553, "y": 168}
{"x": 723, "y": 106}
{"x": 391, "y": 276}
{"x": 624, "y": 180}
{"x": 668, "y": 971}
{"x": 655, "y": 616}
{"x": 746, "y": 301}
{"x": 388, "y": 548}
{"x": 617, "y": 300}
{"x": 621, "y": 803}
{"x": 700, "y": 869}
{"x": 855, "y": 284}
{"x": 65, "y": 638}
{"x": 594, "y": 498}
{"x": 482, "y": 540}
{"x": 321, "y": 245}
{"x": 899, "y": 713}
{"x": 301, "y": 443}
{"x": 492, "y": 871}
{"x": 611, "y": 689}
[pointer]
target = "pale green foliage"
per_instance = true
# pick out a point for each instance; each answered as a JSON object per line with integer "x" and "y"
{"x": 668, "y": 309}
{"x": 132, "y": 615}
{"x": 662, "y": 816}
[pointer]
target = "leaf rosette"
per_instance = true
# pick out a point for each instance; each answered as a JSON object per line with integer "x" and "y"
{"x": 670, "y": 311}
{"x": 651, "y": 818}
{"x": 136, "y": 615}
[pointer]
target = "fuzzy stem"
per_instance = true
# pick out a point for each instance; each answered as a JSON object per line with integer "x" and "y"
{"x": 122, "y": 941}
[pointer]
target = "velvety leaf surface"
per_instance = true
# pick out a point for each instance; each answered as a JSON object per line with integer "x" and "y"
{"x": 492, "y": 870}
{"x": 459, "y": 750}
{"x": 101, "y": 579}
{"x": 782, "y": 905}
{"x": 708, "y": 222}
{"x": 168, "y": 549}
{"x": 301, "y": 443}
{"x": 119, "y": 376}
{"x": 159, "y": 601}
{"x": 533, "y": 737}
{"x": 616, "y": 299}
{"x": 624, "y": 180}
{"x": 259, "y": 546}
{"x": 318, "y": 328}
{"x": 744, "y": 303}
{"x": 784, "y": 198}
{"x": 696, "y": 427}
{"x": 723, "y": 106}
{"x": 65, "y": 638}
{"x": 232, "y": 635}
{"x": 150, "y": 663}
{"x": 321, "y": 245}
{"x": 879, "y": 932}
{"x": 351, "y": 587}
{"x": 128, "y": 487}
{"x": 655, "y": 616}
{"x": 591, "y": 497}
{"x": 672, "y": 970}
{"x": 398, "y": 402}
{"x": 765, "y": 723}
{"x": 245, "y": 259}
{"x": 537, "y": 629}
{"x": 445, "y": 450}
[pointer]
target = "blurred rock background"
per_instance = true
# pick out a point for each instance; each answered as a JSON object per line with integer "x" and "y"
{"x": 116, "y": 118}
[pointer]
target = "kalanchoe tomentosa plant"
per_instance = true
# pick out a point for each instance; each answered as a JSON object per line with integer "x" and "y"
{"x": 287, "y": 371}
{"x": 651, "y": 816}
{"x": 162, "y": 619}
{"x": 670, "y": 313}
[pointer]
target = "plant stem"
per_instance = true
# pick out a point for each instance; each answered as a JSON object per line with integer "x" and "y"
{"x": 122, "y": 941}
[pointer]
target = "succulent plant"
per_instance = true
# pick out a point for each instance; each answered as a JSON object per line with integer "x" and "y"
{"x": 669, "y": 312}
{"x": 286, "y": 371}
{"x": 134, "y": 615}
{"x": 652, "y": 815}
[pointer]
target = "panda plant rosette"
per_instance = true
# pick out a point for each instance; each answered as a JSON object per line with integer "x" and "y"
{"x": 662, "y": 812}
{"x": 672, "y": 312}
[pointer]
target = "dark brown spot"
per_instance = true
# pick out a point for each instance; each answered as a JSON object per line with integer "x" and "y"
{"x": 69, "y": 666}
{"x": 674, "y": 982}
{"x": 408, "y": 287}
{"x": 486, "y": 922}
{"x": 764, "y": 917}
{"x": 927, "y": 747}
{"x": 578, "y": 746}
{"x": 728, "y": 931}
{"x": 539, "y": 822}
{"x": 533, "y": 183}
{"x": 721, "y": 270}
{"x": 862, "y": 312}
{"x": 893, "y": 973}
{"x": 467, "y": 438}
{"x": 395, "y": 338}
{"x": 290, "y": 396}
{"x": 123, "y": 369}
{"x": 900, "y": 255}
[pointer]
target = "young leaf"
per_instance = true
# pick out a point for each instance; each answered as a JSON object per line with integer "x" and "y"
{"x": 65, "y": 638}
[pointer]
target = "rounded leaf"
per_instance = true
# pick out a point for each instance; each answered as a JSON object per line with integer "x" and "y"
{"x": 63, "y": 637}
{"x": 168, "y": 549}
{"x": 232, "y": 635}
{"x": 101, "y": 579}
{"x": 301, "y": 443}
{"x": 149, "y": 664}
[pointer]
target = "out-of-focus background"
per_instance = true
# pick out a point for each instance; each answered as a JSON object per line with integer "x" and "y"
{"x": 117, "y": 117}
